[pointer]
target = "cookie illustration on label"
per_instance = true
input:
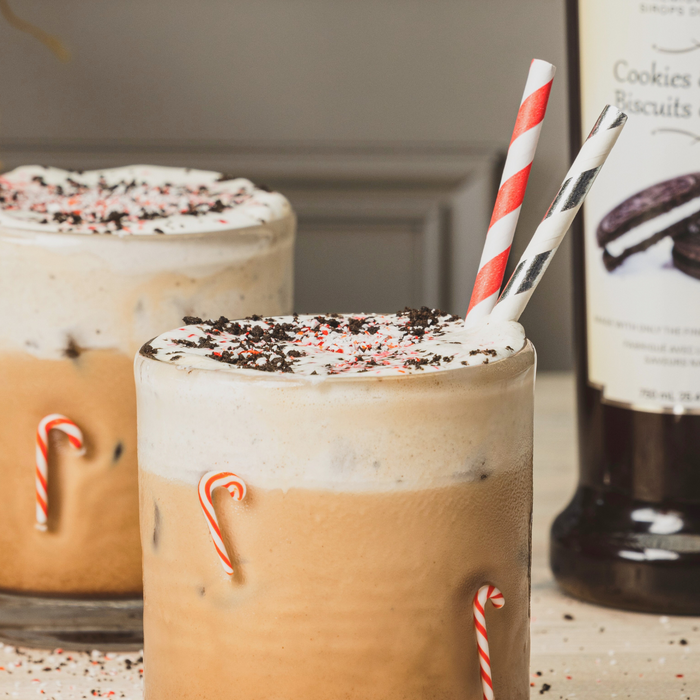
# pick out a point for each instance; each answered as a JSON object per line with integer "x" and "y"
{"x": 659, "y": 203}
{"x": 686, "y": 251}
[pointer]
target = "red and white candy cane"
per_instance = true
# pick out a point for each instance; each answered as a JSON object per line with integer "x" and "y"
{"x": 511, "y": 192}
{"x": 496, "y": 597}
{"x": 207, "y": 484}
{"x": 54, "y": 421}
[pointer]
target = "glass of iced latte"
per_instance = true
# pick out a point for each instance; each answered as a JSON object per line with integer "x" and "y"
{"x": 381, "y": 474}
{"x": 92, "y": 264}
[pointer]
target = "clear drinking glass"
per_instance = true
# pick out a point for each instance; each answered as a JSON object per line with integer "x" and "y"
{"x": 376, "y": 508}
{"x": 75, "y": 308}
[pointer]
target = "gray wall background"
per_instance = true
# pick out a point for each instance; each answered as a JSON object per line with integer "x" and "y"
{"x": 175, "y": 80}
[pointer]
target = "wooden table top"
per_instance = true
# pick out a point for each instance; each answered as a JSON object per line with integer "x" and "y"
{"x": 578, "y": 650}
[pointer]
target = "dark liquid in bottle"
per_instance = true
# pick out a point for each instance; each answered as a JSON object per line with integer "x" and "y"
{"x": 630, "y": 537}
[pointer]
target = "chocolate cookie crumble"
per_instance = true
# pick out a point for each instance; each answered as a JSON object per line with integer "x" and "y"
{"x": 109, "y": 208}
{"x": 133, "y": 200}
{"x": 411, "y": 341}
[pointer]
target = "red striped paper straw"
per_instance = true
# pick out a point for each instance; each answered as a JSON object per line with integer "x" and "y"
{"x": 207, "y": 484}
{"x": 511, "y": 192}
{"x": 482, "y": 641}
{"x": 54, "y": 421}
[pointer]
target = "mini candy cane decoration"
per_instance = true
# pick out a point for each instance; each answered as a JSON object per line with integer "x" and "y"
{"x": 483, "y": 594}
{"x": 54, "y": 421}
{"x": 236, "y": 487}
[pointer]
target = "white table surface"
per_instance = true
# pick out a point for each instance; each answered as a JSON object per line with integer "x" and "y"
{"x": 598, "y": 653}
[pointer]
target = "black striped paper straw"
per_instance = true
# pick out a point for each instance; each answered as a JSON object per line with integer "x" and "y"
{"x": 559, "y": 216}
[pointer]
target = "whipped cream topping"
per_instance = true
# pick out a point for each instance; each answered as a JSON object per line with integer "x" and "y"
{"x": 137, "y": 199}
{"x": 412, "y": 341}
{"x": 328, "y": 422}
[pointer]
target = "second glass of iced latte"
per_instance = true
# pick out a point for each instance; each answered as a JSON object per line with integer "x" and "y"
{"x": 92, "y": 264}
{"x": 381, "y": 474}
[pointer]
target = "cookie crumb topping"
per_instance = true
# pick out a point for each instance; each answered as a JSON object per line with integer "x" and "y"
{"x": 411, "y": 341}
{"x": 135, "y": 199}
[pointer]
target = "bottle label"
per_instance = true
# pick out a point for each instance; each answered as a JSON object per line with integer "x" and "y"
{"x": 642, "y": 218}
